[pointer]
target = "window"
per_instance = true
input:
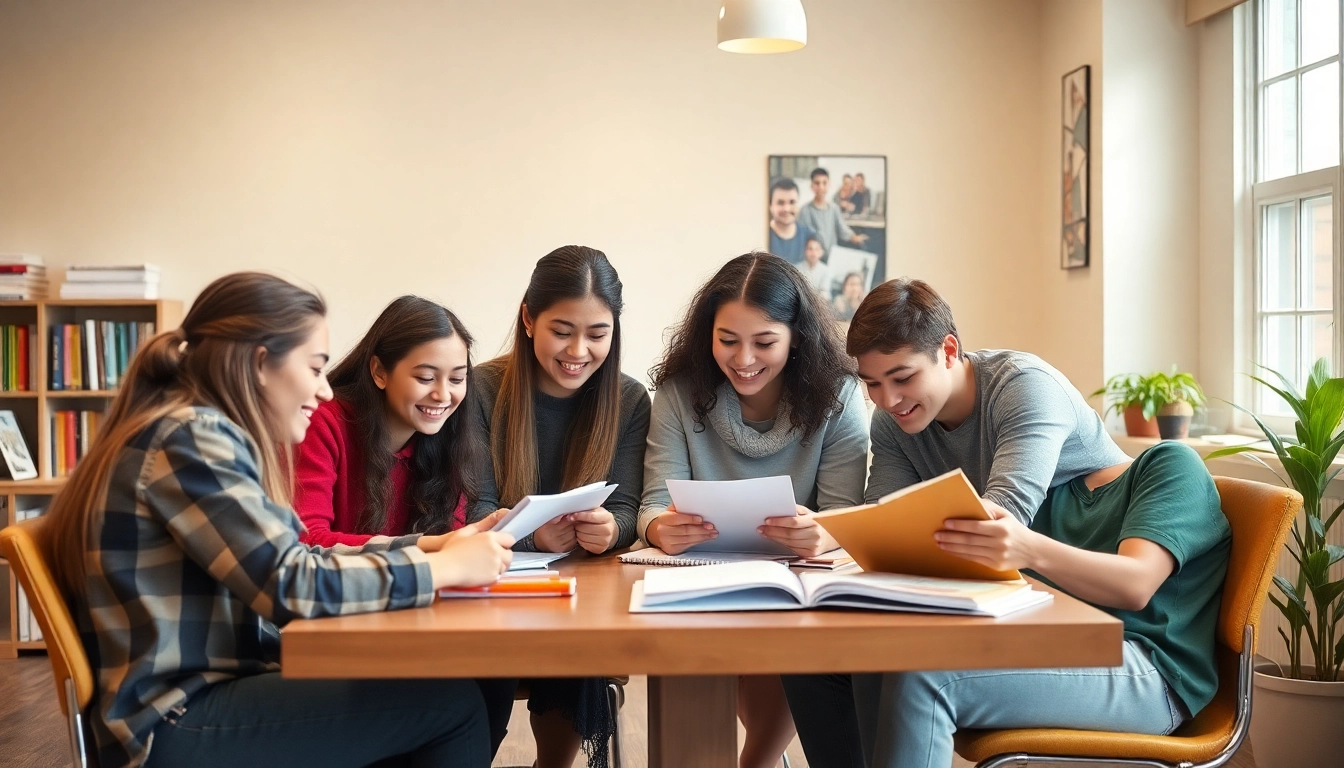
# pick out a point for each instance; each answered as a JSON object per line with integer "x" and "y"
{"x": 1296, "y": 192}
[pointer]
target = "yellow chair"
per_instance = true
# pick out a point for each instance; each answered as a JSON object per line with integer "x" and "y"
{"x": 69, "y": 666}
{"x": 1260, "y": 516}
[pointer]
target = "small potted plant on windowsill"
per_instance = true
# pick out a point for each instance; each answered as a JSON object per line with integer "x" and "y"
{"x": 1131, "y": 396}
{"x": 1177, "y": 396}
{"x": 1295, "y": 705}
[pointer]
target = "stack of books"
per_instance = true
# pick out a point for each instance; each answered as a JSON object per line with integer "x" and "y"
{"x": 94, "y": 355}
{"x": 22, "y": 277}
{"x": 95, "y": 281}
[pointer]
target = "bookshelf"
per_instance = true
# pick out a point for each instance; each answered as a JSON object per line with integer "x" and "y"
{"x": 33, "y": 411}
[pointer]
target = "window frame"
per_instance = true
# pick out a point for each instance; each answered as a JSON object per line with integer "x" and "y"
{"x": 1295, "y": 188}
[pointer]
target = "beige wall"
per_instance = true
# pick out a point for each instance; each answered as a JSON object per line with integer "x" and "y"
{"x": 373, "y": 149}
{"x": 1151, "y": 187}
{"x": 1070, "y": 324}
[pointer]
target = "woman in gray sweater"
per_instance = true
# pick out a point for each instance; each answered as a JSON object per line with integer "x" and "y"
{"x": 756, "y": 383}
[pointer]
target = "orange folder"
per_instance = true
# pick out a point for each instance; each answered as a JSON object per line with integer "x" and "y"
{"x": 895, "y": 535}
{"x": 519, "y": 586}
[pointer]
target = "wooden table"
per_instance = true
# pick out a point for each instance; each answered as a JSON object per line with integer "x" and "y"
{"x": 692, "y": 660}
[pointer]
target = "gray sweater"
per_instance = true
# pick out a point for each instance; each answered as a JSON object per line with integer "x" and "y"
{"x": 1030, "y": 430}
{"x": 554, "y": 416}
{"x": 827, "y": 469}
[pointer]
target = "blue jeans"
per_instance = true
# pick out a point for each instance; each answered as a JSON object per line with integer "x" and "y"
{"x": 266, "y": 720}
{"x": 907, "y": 719}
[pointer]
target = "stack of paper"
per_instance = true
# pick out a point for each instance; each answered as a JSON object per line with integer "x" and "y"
{"x": 22, "y": 277}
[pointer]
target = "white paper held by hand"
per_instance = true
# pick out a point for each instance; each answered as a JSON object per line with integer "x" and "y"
{"x": 532, "y": 512}
{"x": 736, "y": 508}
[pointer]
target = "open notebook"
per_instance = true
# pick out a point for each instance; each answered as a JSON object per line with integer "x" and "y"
{"x": 769, "y": 586}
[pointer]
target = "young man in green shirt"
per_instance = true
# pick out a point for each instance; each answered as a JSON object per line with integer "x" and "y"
{"x": 1014, "y": 424}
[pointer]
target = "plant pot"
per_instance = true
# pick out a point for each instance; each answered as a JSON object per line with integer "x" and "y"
{"x": 1173, "y": 421}
{"x": 1136, "y": 425}
{"x": 1295, "y": 723}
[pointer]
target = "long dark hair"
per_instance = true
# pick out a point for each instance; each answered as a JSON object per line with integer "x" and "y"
{"x": 570, "y": 272}
{"x": 818, "y": 365}
{"x": 209, "y": 361}
{"x": 445, "y": 467}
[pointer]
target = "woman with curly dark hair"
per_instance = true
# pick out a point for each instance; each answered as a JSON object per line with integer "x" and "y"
{"x": 755, "y": 383}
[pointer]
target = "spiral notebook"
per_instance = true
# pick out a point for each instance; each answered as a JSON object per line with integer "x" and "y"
{"x": 656, "y": 556}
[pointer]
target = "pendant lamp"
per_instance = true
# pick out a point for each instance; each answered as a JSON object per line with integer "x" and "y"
{"x": 762, "y": 26}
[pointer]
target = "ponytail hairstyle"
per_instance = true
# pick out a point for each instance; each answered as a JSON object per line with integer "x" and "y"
{"x": 445, "y": 466}
{"x": 209, "y": 361}
{"x": 818, "y": 366}
{"x": 570, "y": 272}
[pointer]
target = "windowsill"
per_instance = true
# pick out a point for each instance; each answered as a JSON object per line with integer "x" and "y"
{"x": 1232, "y": 466}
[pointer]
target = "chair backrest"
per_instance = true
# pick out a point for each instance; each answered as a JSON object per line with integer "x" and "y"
{"x": 19, "y": 545}
{"x": 1260, "y": 516}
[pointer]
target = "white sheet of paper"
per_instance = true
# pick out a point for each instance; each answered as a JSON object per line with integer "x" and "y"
{"x": 736, "y": 508}
{"x": 532, "y": 512}
{"x": 533, "y": 561}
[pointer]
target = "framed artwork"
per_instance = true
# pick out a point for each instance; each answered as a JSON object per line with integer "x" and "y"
{"x": 15, "y": 450}
{"x": 827, "y": 215}
{"x": 1074, "y": 234}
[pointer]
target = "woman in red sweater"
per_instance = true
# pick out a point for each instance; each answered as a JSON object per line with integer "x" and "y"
{"x": 392, "y": 453}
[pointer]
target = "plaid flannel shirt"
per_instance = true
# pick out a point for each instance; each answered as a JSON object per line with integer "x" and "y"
{"x": 193, "y": 569}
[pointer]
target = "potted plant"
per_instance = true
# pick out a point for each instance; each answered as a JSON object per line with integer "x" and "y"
{"x": 1177, "y": 396}
{"x": 1131, "y": 396}
{"x": 1298, "y": 710}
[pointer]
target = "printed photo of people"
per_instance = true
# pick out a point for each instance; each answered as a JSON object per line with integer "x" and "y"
{"x": 827, "y": 215}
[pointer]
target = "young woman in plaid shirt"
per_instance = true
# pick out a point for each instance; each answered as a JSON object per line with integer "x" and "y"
{"x": 174, "y": 542}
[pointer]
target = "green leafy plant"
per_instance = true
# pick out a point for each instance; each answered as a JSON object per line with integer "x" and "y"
{"x": 1176, "y": 387}
{"x": 1313, "y": 605}
{"x": 1150, "y": 392}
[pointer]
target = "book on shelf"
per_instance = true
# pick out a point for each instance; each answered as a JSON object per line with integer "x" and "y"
{"x": 18, "y": 354}
{"x": 768, "y": 586}
{"x": 112, "y": 273}
{"x": 28, "y": 629}
{"x": 21, "y": 259}
{"x": 134, "y": 290}
{"x": 18, "y": 461}
{"x": 72, "y": 434}
{"x": 895, "y": 535}
{"x": 23, "y": 277}
{"x": 95, "y": 354}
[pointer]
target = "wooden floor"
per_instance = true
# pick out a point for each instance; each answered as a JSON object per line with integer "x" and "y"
{"x": 32, "y": 731}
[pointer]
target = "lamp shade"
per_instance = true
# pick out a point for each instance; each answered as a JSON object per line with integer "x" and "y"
{"x": 762, "y": 26}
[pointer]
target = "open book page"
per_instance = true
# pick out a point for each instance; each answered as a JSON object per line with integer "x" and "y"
{"x": 736, "y": 508}
{"x": 754, "y": 585}
{"x": 532, "y": 512}
{"x": 902, "y": 592}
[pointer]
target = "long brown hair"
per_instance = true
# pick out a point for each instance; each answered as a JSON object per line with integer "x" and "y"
{"x": 817, "y": 369}
{"x": 209, "y": 361}
{"x": 571, "y": 272}
{"x": 445, "y": 466}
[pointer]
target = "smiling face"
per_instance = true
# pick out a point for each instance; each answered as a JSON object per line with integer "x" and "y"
{"x": 571, "y": 339}
{"x": 292, "y": 387}
{"x": 853, "y": 288}
{"x": 751, "y": 349}
{"x": 913, "y": 387}
{"x": 784, "y": 207}
{"x": 424, "y": 388}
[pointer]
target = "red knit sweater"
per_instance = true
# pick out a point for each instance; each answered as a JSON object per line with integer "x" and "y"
{"x": 329, "y": 482}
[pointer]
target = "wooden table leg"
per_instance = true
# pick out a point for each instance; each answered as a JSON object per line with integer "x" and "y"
{"x": 693, "y": 721}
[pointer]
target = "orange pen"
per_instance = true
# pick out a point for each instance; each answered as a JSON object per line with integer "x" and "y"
{"x": 519, "y": 586}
